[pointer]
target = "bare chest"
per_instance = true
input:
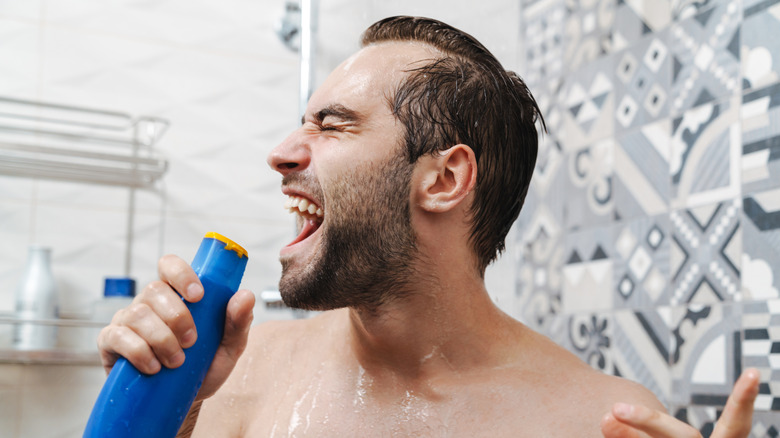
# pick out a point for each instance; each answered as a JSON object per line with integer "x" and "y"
{"x": 326, "y": 411}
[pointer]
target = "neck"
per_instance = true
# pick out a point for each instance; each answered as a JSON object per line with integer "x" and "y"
{"x": 443, "y": 326}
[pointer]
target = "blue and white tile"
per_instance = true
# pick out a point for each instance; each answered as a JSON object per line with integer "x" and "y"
{"x": 588, "y": 278}
{"x": 643, "y": 76}
{"x": 761, "y": 349}
{"x": 587, "y": 31}
{"x": 706, "y": 253}
{"x": 642, "y": 344}
{"x": 682, "y": 9}
{"x": 703, "y": 418}
{"x": 588, "y": 99}
{"x": 543, "y": 41}
{"x": 631, "y": 344}
{"x": 761, "y": 245}
{"x": 705, "y": 356}
{"x": 540, "y": 237}
{"x": 635, "y": 20}
{"x": 642, "y": 248}
{"x": 761, "y": 139}
{"x": 760, "y": 55}
{"x": 641, "y": 171}
{"x": 705, "y": 155}
{"x": 765, "y": 425}
{"x": 590, "y": 186}
{"x": 705, "y": 52}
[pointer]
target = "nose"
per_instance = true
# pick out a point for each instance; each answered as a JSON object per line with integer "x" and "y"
{"x": 291, "y": 155}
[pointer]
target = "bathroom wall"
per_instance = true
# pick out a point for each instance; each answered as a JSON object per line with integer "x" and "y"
{"x": 649, "y": 246}
{"x": 217, "y": 71}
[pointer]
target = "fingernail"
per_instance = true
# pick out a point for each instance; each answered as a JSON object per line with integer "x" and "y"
{"x": 153, "y": 366}
{"x": 194, "y": 290}
{"x": 189, "y": 337}
{"x": 177, "y": 359}
{"x": 623, "y": 410}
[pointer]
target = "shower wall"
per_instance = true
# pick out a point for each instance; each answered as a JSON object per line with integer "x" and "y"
{"x": 650, "y": 242}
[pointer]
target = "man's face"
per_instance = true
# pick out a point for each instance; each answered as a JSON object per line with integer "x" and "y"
{"x": 346, "y": 175}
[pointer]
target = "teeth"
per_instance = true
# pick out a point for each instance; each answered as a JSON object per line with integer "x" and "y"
{"x": 297, "y": 204}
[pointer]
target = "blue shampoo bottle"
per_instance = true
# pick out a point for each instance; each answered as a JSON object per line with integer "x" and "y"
{"x": 133, "y": 404}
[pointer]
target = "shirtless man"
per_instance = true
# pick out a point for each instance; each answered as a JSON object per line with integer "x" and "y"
{"x": 416, "y": 153}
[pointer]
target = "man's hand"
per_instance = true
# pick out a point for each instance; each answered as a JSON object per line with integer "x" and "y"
{"x": 627, "y": 421}
{"x": 153, "y": 331}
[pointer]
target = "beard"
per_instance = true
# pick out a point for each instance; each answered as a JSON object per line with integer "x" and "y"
{"x": 368, "y": 247}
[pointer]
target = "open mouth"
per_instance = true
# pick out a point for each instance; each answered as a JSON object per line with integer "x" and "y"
{"x": 310, "y": 216}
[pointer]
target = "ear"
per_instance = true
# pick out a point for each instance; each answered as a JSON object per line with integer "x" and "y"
{"x": 447, "y": 178}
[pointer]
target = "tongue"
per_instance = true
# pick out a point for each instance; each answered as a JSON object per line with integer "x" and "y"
{"x": 309, "y": 227}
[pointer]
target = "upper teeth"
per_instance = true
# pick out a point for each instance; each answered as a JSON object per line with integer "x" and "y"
{"x": 296, "y": 204}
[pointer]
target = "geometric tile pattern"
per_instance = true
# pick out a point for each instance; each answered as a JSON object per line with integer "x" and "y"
{"x": 634, "y": 21}
{"x": 761, "y": 331}
{"x": 760, "y": 55}
{"x": 589, "y": 102}
{"x": 587, "y": 31}
{"x": 641, "y": 171}
{"x": 663, "y": 189}
{"x": 761, "y": 245}
{"x": 705, "y": 56}
{"x": 705, "y": 354}
{"x": 704, "y": 155}
{"x": 705, "y": 254}
{"x": 761, "y": 139}
{"x": 589, "y": 193}
{"x": 643, "y": 75}
{"x": 542, "y": 37}
{"x": 642, "y": 263}
{"x": 587, "y": 271}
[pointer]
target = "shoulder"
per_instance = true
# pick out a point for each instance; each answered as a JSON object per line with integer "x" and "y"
{"x": 558, "y": 381}
{"x": 275, "y": 340}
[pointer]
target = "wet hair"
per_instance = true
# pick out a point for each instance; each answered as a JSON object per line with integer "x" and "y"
{"x": 466, "y": 97}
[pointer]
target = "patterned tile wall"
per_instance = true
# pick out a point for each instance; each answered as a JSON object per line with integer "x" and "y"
{"x": 650, "y": 247}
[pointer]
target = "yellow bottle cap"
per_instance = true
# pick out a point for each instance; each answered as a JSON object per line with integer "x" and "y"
{"x": 229, "y": 244}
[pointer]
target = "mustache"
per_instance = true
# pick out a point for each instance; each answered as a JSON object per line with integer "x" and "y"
{"x": 306, "y": 182}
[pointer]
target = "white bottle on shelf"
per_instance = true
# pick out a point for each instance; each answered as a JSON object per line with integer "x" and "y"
{"x": 37, "y": 303}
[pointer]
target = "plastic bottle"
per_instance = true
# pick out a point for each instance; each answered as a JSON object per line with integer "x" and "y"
{"x": 36, "y": 300}
{"x": 133, "y": 404}
{"x": 118, "y": 293}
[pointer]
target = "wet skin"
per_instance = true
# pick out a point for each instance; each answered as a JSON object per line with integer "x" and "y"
{"x": 439, "y": 360}
{"x": 442, "y": 360}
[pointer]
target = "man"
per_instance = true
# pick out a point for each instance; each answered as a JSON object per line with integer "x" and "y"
{"x": 411, "y": 165}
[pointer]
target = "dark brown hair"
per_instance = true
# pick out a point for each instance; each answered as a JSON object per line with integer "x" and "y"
{"x": 467, "y": 97}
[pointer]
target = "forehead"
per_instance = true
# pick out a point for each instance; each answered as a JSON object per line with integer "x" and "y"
{"x": 365, "y": 79}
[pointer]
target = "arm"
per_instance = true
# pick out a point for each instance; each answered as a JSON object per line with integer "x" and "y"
{"x": 153, "y": 331}
{"x": 630, "y": 421}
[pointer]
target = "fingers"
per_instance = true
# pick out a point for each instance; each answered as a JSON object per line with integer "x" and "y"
{"x": 178, "y": 273}
{"x": 157, "y": 326}
{"x": 654, "y": 423}
{"x": 737, "y": 417}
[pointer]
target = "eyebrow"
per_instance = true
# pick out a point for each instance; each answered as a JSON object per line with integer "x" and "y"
{"x": 336, "y": 110}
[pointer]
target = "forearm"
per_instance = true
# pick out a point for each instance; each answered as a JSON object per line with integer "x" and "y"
{"x": 189, "y": 422}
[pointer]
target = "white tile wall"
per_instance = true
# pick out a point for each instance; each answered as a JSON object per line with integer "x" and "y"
{"x": 219, "y": 73}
